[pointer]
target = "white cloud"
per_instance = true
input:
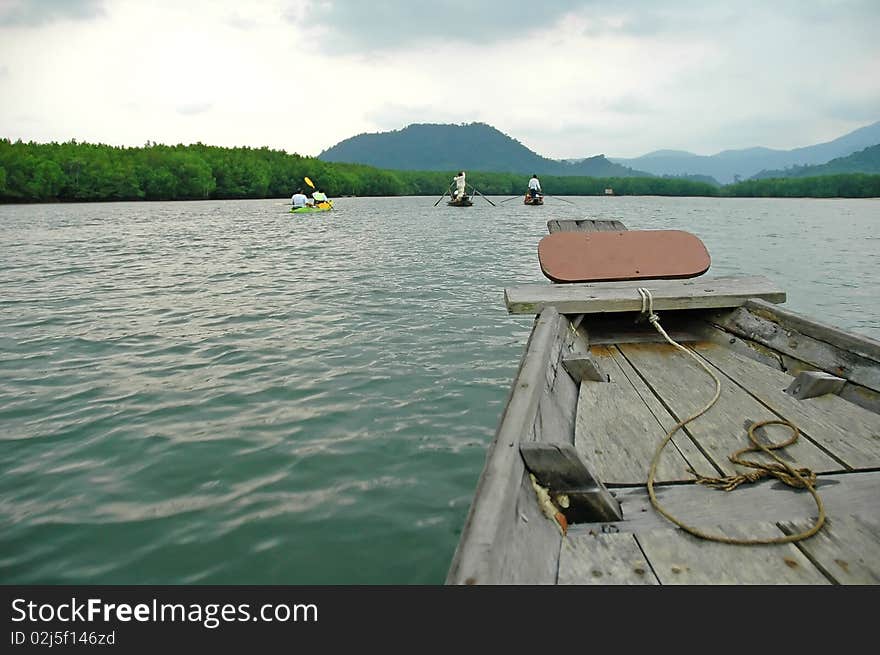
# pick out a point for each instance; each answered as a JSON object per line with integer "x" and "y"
{"x": 570, "y": 79}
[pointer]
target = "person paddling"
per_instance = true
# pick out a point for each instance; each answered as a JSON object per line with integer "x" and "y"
{"x": 320, "y": 199}
{"x": 298, "y": 199}
{"x": 534, "y": 186}
{"x": 459, "y": 186}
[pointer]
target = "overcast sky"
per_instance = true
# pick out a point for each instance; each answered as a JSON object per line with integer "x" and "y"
{"x": 572, "y": 78}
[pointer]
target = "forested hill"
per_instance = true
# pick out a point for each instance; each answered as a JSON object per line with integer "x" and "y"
{"x": 864, "y": 161}
{"x": 473, "y": 147}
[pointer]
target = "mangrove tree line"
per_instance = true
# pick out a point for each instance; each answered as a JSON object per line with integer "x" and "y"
{"x": 73, "y": 171}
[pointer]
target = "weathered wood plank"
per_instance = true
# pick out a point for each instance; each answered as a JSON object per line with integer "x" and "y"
{"x": 851, "y": 362}
{"x": 681, "y": 441}
{"x": 849, "y": 433}
{"x": 584, "y": 225}
{"x": 862, "y": 396}
{"x": 847, "y": 549}
{"x": 480, "y": 555}
{"x": 530, "y": 553}
{"x": 842, "y": 494}
{"x": 554, "y": 425}
{"x": 843, "y": 339}
{"x": 603, "y": 559}
{"x": 598, "y": 297}
{"x": 708, "y": 329}
{"x": 617, "y": 432}
{"x": 557, "y": 405}
{"x": 685, "y": 388}
{"x": 677, "y": 557}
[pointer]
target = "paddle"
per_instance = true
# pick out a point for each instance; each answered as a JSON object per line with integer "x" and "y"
{"x": 562, "y": 199}
{"x": 509, "y": 199}
{"x": 484, "y": 197}
{"x": 312, "y": 184}
{"x": 443, "y": 196}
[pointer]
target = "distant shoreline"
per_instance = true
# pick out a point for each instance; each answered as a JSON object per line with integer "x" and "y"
{"x": 81, "y": 172}
{"x": 491, "y": 196}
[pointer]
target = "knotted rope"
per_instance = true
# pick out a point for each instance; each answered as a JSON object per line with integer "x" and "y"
{"x": 794, "y": 477}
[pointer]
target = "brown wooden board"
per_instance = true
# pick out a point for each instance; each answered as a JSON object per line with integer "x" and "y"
{"x": 624, "y": 255}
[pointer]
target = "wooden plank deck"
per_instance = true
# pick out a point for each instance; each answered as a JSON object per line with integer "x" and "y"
{"x": 647, "y": 549}
{"x": 795, "y": 343}
{"x": 620, "y": 422}
{"x": 604, "y": 559}
{"x": 679, "y": 558}
{"x": 843, "y": 494}
{"x": 846, "y": 431}
{"x": 847, "y": 550}
{"x": 619, "y": 428}
{"x": 791, "y": 335}
{"x": 684, "y": 388}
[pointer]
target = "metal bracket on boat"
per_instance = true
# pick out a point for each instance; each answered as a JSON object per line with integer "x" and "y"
{"x": 561, "y": 468}
{"x": 584, "y": 367}
{"x": 809, "y": 384}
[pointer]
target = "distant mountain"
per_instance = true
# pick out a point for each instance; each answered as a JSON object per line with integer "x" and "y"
{"x": 863, "y": 161}
{"x": 748, "y": 162}
{"x": 471, "y": 147}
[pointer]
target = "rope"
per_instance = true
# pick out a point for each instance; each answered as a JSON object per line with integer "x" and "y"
{"x": 798, "y": 478}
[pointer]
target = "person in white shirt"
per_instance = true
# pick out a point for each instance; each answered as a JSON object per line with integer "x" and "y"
{"x": 298, "y": 199}
{"x": 534, "y": 186}
{"x": 459, "y": 185}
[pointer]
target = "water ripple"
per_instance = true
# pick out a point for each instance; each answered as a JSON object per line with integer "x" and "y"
{"x": 218, "y": 392}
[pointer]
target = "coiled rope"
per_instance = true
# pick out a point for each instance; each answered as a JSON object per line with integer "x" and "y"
{"x": 794, "y": 477}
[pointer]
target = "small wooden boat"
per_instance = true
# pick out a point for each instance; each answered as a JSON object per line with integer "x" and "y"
{"x": 464, "y": 201}
{"x": 590, "y": 478}
{"x": 536, "y": 200}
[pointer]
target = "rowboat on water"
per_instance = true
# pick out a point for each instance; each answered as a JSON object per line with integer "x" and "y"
{"x": 464, "y": 201}
{"x": 533, "y": 200}
{"x": 670, "y": 428}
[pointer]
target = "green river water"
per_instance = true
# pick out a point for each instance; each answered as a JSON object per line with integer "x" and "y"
{"x": 221, "y": 392}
